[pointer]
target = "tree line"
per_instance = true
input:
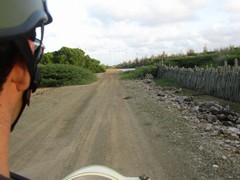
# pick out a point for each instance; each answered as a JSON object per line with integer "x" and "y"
{"x": 73, "y": 56}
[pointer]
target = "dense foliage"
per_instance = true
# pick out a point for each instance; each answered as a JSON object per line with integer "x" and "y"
{"x": 73, "y": 56}
{"x": 55, "y": 75}
{"x": 190, "y": 59}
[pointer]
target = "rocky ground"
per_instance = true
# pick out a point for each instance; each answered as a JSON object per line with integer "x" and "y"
{"x": 216, "y": 127}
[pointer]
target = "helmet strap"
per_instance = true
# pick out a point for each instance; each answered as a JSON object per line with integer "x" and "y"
{"x": 30, "y": 60}
{"x": 25, "y": 98}
{"x": 27, "y": 54}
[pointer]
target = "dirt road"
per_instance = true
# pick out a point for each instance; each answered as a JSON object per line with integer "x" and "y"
{"x": 111, "y": 123}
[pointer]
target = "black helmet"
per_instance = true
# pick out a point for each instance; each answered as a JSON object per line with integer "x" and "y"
{"x": 18, "y": 21}
{"x": 19, "y": 17}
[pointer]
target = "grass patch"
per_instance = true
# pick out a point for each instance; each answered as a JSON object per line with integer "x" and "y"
{"x": 164, "y": 82}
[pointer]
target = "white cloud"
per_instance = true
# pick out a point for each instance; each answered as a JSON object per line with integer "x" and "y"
{"x": 233, "y": 8}
{"x": 113, "y": 31}
{"x": 143, "y": 12}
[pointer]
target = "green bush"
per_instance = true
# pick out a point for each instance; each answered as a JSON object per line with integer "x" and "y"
{"x": 128, "y": 75}
{"x": 73, "y": 56}
{"x": 55, "y": 75}
{"x": 140, "y": 72}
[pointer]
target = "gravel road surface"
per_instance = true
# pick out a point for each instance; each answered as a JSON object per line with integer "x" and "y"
{"x": 112, "y": 123}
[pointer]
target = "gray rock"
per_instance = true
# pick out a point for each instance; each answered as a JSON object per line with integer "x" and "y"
{"x": 178, "y": 90}
{"x": 224, "y": 157}
{"x": 221, "y": 117}
{"x": 176, "y": 106}
{"x": 183, "y": 107}
{"x": 237, "y": 144}
{"x": 162, "y": 99}
{"x": 238, "y": 121}
{"x": 227, "y": 146}
{"x": 194, "y": 109}
{"x": 194, "y": 119}
{"x": 220, "y": 142}
{"x": 227, "y": 108}
{"x": 215, "y": 167}
{"x": 223, "y": 130}
{"x": 149, "y": 76}
{"x": 228, "y": 141}
{"x": 208, "y": 104}
{"x": 211, "y": 118}
{"x": 219, "y": 107}
{"x": 148, "y": 81}
{"x": 202, "y": 116}
{"x": 235, "y": 136}
{"x": 203, "y": 120}
{"x": 215, "y": 133}
{"x": 232, "y": 118}
{"x": 208, "y": 128}
{"x": 217, "y": 123}
{"x": 227, "y": 123}
{"x": 201, "y": 148}
{"x": 181, "y": 99}
{"x": 233, "y": 130}
{"x": 160, "y": 93}
{"x": 217, "y": 127}
{"x": 214, "y": 109}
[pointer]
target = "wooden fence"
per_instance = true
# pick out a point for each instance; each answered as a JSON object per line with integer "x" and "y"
{"x": 222, "y": 82}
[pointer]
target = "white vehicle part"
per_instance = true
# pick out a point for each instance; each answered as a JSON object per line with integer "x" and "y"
{"x": 96, "y": 172}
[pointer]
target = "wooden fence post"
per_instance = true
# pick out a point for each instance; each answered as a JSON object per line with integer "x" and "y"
{"x": 236, "y": 62}
{"x": 225, "y": 64}
{"x": 222, "y": 82}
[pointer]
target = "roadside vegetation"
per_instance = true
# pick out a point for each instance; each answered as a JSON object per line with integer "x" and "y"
{"x": 68, "y": 66}
{"x": 139, "y": 72}
{"x": 56, "y": 75}
{"x": 189, "y": 60}
{"x": 149, "y": 72}
{"x": 195, "y": 71}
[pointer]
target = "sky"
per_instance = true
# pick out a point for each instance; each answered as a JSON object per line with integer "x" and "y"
{"x": 114, "y": 31}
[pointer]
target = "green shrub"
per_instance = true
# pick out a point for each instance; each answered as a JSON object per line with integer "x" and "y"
{"x": 73, "y": 56}
{"x": 55, "y": 75}
{"x": 140, "y": 72}
{"x": 128, "y": 75}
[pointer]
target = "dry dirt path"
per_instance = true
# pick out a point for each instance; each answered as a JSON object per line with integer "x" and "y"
{"x": 109, "y": 122}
